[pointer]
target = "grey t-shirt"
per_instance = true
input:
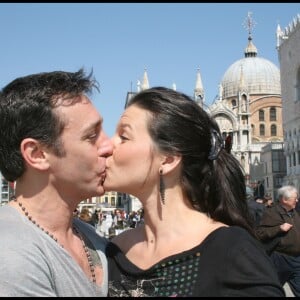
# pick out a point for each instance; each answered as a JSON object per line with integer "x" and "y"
{"x": 33, "y": 264}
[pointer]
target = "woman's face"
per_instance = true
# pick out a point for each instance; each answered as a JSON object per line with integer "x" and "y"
{"x": 133, "y": 167}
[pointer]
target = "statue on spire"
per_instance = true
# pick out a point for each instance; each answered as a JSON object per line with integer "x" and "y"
{"x": 249, "y": 23}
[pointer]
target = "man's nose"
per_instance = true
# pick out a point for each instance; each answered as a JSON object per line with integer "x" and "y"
{"x": 105, "y": 147}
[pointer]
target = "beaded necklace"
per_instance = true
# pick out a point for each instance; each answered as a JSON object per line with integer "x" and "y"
{"x": 86, "y": 250}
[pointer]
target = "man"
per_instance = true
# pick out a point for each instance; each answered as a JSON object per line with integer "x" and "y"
{"x": 52, "y": 145}
{"x": 259, "y": 190}
{"x": 256, "y": 208}
{"x": 280, "y": 226}
{"x": 268, "y": 201}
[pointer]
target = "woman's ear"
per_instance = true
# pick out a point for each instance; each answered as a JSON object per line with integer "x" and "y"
{"x": 170, "y": 163}
{"x": 33, "y": 154}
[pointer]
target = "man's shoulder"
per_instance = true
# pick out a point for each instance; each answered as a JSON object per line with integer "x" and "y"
{"x": 275, "y": 208}
{"x": 10, "y": 220}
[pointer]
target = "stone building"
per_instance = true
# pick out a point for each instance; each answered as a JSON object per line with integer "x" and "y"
{"x": 288, "y": 45}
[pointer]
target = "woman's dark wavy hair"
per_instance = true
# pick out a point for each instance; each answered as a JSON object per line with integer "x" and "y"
{"x": 27, "y": 110}
{"x": 178, "y": 125}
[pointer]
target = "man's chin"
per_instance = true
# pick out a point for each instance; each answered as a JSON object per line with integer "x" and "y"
{"x": 101, "y": 191}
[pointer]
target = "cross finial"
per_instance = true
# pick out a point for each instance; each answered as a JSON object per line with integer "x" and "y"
{"x": 249, "y": 23}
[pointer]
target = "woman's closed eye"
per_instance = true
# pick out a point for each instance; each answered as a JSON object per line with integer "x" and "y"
{"x": 123, "y": 137}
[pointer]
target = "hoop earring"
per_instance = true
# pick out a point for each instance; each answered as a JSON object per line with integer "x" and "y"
{"x": 161, "y": 187}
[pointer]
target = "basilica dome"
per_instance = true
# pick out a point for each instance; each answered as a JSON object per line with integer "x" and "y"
{"x": 256, "y": 74}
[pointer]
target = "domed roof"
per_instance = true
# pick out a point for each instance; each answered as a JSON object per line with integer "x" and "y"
{"x": 258, "y": 75}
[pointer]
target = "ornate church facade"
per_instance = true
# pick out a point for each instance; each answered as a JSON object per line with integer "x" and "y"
{"x": 249, "y": 108}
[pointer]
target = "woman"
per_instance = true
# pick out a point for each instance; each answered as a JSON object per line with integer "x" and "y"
{"x": 196, "y": 239}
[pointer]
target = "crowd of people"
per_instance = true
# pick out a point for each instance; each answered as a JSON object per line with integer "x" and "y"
{"x": 169, "y": 153}
{"x": 112, "y": 223}
{"x": 279, "y": 231}
{"x": 258, "y": 205}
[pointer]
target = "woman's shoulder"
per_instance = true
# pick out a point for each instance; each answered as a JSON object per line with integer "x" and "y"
{"x": 229, "y": 231}
{"x": 227, "y": 235}
{"x": 234, "y": 239}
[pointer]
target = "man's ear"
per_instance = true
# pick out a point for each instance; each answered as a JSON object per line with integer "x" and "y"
{"x": 33, "y": 154}
{"x": 170, "y": 163}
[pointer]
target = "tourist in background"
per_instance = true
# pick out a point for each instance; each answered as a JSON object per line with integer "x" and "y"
{"x": 256, "y": 208}
{"x": 85, "y": 215}
{"x": 279, "y": 231}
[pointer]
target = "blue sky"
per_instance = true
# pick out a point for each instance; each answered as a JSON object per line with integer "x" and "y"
{"x": 118, "y": 41}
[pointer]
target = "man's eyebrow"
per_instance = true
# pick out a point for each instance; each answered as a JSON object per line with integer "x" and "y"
{"x": 93, "y": 125}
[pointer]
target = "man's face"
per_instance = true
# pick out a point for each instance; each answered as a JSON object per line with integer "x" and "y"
{"x": 290, "y": 202}
{"x": 81, "y": 172}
